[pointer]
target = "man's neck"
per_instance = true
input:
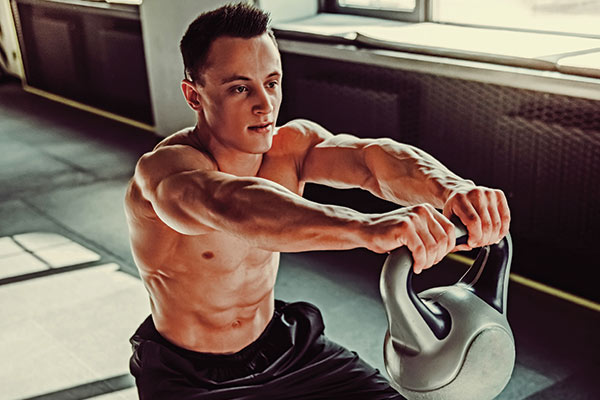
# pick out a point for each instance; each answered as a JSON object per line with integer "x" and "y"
{"x": 239, "y": 164}
{"x": 228, "y": 160}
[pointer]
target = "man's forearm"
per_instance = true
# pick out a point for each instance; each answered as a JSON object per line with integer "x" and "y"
{"x": 406, "y": 175}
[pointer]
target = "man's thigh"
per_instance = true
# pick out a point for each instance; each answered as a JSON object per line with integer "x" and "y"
{"x": 331, "y": 371}
{"x": 326, "y": 372}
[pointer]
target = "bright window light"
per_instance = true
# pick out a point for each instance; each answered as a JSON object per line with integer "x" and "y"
{"x": 396, "y": 5}
{"x": 563, "y": 16}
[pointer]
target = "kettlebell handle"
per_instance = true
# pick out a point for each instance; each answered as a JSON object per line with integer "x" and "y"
{"x": 491, "y": 285}
{"x": 436, "y": 317}
{"x": 487, "y": 278}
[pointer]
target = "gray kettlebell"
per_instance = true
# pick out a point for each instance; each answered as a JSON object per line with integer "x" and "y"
{"x": 451, "y": 342}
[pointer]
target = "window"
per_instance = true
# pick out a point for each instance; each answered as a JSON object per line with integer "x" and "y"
{"x": 573, "y": 17}
{"x": 405, "y": 10}
{"x": 399, "y": 5}
{"x": 578, "y": 17}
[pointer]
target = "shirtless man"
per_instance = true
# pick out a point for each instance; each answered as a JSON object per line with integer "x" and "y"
{"x": 211, "y": 207}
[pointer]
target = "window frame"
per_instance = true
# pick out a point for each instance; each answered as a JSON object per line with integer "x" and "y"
{"x": 421, "y": 13}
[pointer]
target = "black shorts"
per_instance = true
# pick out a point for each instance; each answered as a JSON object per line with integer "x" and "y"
{"x": 292, "y": 359}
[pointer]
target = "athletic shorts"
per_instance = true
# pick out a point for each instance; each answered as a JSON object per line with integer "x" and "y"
{"x": 292, "y": 359}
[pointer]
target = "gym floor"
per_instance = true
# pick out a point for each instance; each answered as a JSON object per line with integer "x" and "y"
{"x": 71, "y": 296}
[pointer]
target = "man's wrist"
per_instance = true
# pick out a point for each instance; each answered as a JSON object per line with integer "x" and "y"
{"x": 456, "y": 185}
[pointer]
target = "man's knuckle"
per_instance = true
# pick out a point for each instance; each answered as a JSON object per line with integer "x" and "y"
{"x": 461, "y": 196}
{"x": 420, "y": 209}
{"x": 472, "y": 217}
{"x": 474, "y": 192}
{"x": 419, "y": 248}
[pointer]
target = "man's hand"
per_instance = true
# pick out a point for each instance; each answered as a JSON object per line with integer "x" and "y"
{"x": 427, "y": 233}
{"x": 484, "y": 212}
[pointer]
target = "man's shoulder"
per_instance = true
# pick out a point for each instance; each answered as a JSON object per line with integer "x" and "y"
{"x": 177, "y": 153}
{"x": 303, "y": 128}
{"x": 174, "y": 155}
{"x": 298, "y": 135}
{"x": 181, "y": 137}
{"x": 172, "y": 159}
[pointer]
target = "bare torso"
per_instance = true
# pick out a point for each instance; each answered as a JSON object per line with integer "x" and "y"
{"x": 211, "y": 292}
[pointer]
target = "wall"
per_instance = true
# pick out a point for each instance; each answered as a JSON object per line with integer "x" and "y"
{"x": 286, "y": 10}
{"x": 163, "y": 25}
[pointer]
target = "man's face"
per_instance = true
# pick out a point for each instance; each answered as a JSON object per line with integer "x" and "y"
{"x": 242, "y": 93}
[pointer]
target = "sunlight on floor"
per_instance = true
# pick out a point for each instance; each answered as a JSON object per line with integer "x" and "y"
{"x": 65, "y": 332}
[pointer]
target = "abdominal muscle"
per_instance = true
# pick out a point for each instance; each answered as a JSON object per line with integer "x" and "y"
{"x": 210, "y": 293}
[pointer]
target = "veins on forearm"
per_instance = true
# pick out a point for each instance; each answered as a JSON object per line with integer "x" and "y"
{"x": 407, "y": 175}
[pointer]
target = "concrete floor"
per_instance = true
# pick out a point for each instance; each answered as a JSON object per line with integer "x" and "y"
{"x": 71, "y": 296}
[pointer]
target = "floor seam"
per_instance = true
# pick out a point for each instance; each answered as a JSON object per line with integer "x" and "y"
{"x": 75, "y": 234}
{"x": 20, "y": 195}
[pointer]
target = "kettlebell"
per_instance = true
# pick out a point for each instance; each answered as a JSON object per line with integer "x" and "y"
{"x": 451, "y": 342}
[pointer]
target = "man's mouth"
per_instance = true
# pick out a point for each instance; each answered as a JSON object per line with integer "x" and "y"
{"x": 262, "y": 128}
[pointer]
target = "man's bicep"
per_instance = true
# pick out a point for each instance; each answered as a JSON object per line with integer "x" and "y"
{"x": 166, "y": 178}
{"x": 183, "y": 202}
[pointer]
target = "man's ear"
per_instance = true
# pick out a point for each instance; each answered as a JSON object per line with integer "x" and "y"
{"x": 191, "y": 94}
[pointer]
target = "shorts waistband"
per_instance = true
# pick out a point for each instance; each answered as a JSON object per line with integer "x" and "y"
{"x": 246, "y": 354}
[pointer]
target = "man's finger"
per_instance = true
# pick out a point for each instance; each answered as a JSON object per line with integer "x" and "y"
{"x": 495, "y": 219}
{"x": 504, "y": 212}
{"x": 444, "y": 234}
{"x": 468, "y": 215}
{"x": 419, "y": 254}
{"x": 487, "y": 227}
{"x": 430, "y": 247}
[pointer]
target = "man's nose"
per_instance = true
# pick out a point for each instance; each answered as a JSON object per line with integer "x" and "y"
{"x": 263, "y": 102}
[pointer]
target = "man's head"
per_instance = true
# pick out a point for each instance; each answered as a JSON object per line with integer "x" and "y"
{"x": 235, "y": 82}
{"x": 234, "y": 20}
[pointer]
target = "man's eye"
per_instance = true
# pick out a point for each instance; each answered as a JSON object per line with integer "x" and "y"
{"x": 240, "y": 89}
{"x": 272, "y": 84}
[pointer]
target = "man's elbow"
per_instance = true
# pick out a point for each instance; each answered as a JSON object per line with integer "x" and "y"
{"x": 143, "y": 176}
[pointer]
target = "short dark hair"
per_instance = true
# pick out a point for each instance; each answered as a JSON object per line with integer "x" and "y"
{"x": 240, "y": 20}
